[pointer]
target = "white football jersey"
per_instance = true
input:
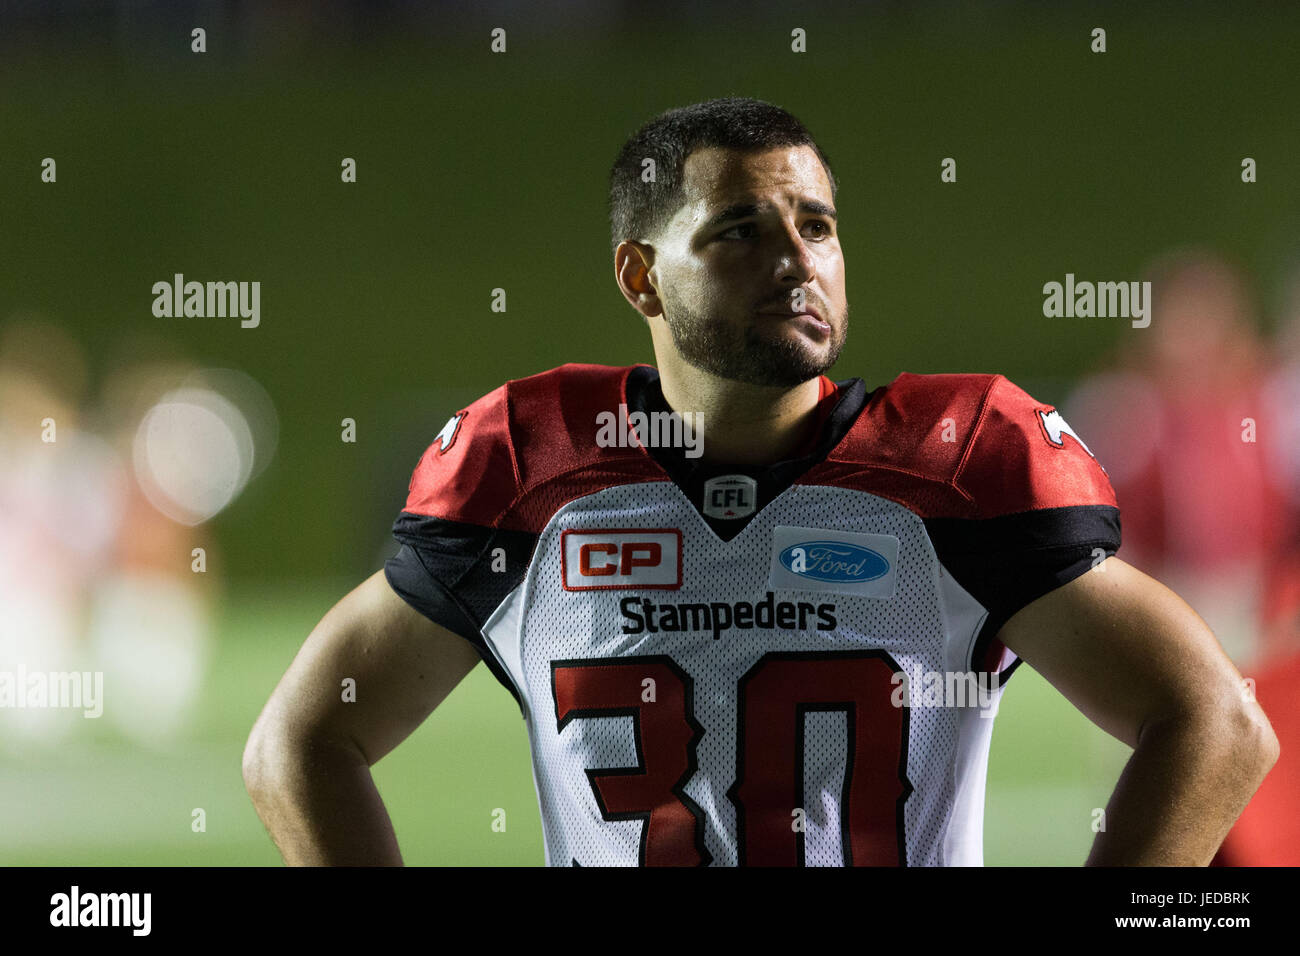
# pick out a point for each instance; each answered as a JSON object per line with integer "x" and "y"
{"x": 793, "y": 664}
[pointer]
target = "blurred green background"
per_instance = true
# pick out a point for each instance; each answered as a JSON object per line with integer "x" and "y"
{"x": 479, "y": 170}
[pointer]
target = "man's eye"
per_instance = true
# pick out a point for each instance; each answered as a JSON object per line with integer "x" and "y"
{"x": 825, "y": 229}
{"x": 743, "y": 225}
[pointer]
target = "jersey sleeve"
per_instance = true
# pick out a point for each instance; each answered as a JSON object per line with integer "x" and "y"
{"x": 1042, "y": 512}
{"x": 455, "y": 565}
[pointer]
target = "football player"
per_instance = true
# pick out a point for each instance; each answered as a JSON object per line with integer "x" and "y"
{"x": 733, "y": 598}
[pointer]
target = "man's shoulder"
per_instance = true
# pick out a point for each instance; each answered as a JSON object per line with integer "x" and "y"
{"x": 922, "y": 422}
{"x": 980, "y": 435}
{"x": 569, "y": 388}
{"x": 516, "y": 438}
{"x": 516, "y": 404}
{"x": 572, "y": 375}
{"x": 918, "y": 386}
{"x": 960, "y": 407}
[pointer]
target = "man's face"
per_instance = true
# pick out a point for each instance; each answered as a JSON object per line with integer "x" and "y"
{"x": 754, "y": 246}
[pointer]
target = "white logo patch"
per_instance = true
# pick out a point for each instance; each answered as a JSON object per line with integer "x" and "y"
{"x": 730, "y": 496}
{"x": 1054, "y": 426}
{"x": 846, "y": 562}
{"x": 448, "y": 434}
{"x": 619, "y": 558}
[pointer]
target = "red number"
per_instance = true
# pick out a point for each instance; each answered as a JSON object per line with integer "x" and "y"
{"x": 666, "y": 736}
{"x": 772, "y": 699}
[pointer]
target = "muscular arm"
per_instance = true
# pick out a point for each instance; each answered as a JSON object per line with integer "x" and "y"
{"x": 1143, "y": 666}
{"x": 308, "y": 758}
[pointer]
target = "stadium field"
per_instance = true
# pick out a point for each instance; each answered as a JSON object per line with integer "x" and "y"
{"x": 97, "y": 799}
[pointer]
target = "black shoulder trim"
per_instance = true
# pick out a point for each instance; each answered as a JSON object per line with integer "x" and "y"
{"x": 465, "y": 558}
{"x": 407, "y": 577}
{"x": 456, "y": 574}
{"x": 1010, "y": 561}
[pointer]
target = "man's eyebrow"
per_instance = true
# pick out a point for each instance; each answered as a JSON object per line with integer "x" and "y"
{"x": 745, "y": 210}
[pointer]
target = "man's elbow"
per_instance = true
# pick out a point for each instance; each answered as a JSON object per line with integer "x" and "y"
{"x": 257, "y": 764}
{"x": 268, "y": 763}
{"x": 1235, "y": 728}
{"x": 1256, "y": 737}
{"x": 282, "y": 759}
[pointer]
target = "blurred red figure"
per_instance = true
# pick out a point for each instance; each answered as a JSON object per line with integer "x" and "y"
{"x": 1268, "y": 833}
{"x": 1190, "y": 429}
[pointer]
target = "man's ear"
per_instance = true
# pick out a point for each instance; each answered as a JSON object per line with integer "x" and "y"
{"x": 633, "y": 271}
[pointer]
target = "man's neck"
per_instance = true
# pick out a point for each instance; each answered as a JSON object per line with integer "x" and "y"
{"x": 745, "y": 424}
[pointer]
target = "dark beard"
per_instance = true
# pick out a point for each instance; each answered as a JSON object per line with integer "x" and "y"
{"x": 746, "y": 356}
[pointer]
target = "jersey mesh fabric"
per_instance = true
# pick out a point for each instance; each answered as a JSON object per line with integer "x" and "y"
{"x": 915, "y": 628}
{"x": 986, "y": 519}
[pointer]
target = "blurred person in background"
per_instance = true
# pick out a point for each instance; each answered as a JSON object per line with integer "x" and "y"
{"x": 1268, "y": 832}
{"x": 1281, "y": 448}
{"x": 152, "y": 624}
{"x": 1187, "y": 422}
{"x": 93, "y": 576}
{"x": 61, "y": 493}
{"x": 1177, "y": 421}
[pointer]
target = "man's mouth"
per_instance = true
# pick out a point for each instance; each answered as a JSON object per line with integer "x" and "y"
{"x": 806, "y": 317}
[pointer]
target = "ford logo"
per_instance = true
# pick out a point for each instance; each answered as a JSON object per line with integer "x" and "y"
{"x": 833, "y": 561}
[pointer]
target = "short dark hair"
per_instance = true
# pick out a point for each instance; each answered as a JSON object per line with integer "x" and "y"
{"x": 640, "y": 209}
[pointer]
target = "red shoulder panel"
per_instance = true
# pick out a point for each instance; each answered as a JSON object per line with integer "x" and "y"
{"x": 1025, "y": 456}
{"x": 907, "y": 443}
{"x": 555, "y": 415}
{"x": 513, "y": 457}
{"x": 468, "y": 472}
{"x": 963, "y": 446}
